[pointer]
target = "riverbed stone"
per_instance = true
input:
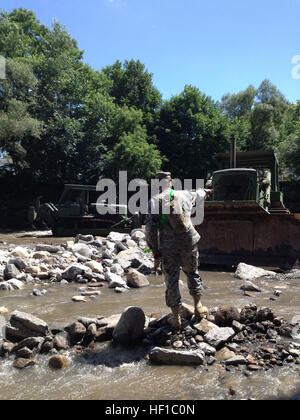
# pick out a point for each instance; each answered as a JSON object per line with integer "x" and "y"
{"x": 30, "y": 342}
{"x": 205, "y": 326}
{"x": 219, "y": 336}
{"x": 249, "y": 272}
{"x": 136, "y": 279}
{"x": 58, "y": 362}
{"x": 11, "y": 272}
{"x": 130, "y": 327}
{"x": 76, "y": 332}
{"x": 95, "y": 266}
{"x": 249, "y": 286}
{"x": 207, "y": 349}
{"x": 23, "y": 325}
{"x": 72, "y": 272}
{"x": 176, "y": 357}
{"x": 224, "y": 354}
{"x": 25, "y": 353}
{"x": 21, "y": 363}
{"x": 225, "y": 316}
{"x": 115, "y": 280}
{"x": 236, "y": 360}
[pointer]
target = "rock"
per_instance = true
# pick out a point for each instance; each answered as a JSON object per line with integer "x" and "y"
{"x": 60, "y": 342}
{"x": 236, "y": 360}
{"x": 25, "y": 353}
{"x": 18, "y": 262}
{"x": 176, "y": 357}
{"x": 118, "y": 237}
{"x": 205, "y": 326}
{"x": 79, "y": 299}
{"x": 30, "y": 342}
{"x": 21, "y": 363}
{"x": 249, "y": 272}
{"x": 48, "y": 248}
{"x": 24, "y": 325}
{"x": 125, "y": 264}
{"x": 76, "y": 332}
{"x": 186, "y": 311}
{"x": 20, "y": 252}
{"x": 136, "y": 279}
{"x": 130, "y": 327}
{"x": 72, "y": 272}
{"x": 84, "y": 238}
{"x": 248, "y": 313}
{"x": 254, "y": 368}
{"x": 225, "y": 315}
{"x": 219, "y": 336}
{"x": 120, "y": 246}
{"x": 41, "y": 255}
{"x": 207, "y": 349}
{"x": 87, "y": 321}
{"x": 137, "y": 235}
{"x": 58, "y": 362}
{"x": 177, "y": 344}
{"x": 250, "y": 287}
{"x": 237, "y": 326}
{"x": 224, "y": 354}
{"x": 115, "y": 280}
{"x": 82, "y": 250}
{"x": 95, "y": 266}
{"x": 264, "y": 314}
{"x": 12, "y": 284}
{"x": 91, "y": 293}
{"x": 121, "y": 290}
{"x": 11, "y": 272}
{"x": 3, "y": 310}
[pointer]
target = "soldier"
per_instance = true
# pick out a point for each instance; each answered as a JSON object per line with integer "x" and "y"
{"x": 173, "y": 241}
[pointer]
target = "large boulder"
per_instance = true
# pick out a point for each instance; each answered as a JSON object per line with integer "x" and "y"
{"x": 176, "y": 357}
{"x": 136, "y": 279}
{"x": 249, "y": 272}
{"x": 225, "y": 315}
{"x": 22, "y": 325}
{"x": 130, "y": 327}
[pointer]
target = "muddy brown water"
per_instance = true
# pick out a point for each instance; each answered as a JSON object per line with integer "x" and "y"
{"x": 136, "y": 380}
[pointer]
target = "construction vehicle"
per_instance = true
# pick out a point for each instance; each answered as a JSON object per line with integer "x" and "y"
{"x": 246, "y": 220}
{"x": 77, "y": 211}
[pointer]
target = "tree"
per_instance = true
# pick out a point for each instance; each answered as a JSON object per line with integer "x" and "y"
{"x": 17, "y": 94}
{"x": 191, "y": 131}
{"x": 135, "y": 155}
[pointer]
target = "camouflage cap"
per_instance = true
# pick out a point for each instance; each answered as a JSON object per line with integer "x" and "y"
{"x": 163, "y": 175}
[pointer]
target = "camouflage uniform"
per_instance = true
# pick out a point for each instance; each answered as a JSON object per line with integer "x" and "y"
{"x": 177, "y": 250}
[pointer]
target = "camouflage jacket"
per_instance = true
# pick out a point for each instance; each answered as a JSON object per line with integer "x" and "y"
{"x": 166, "y": 239}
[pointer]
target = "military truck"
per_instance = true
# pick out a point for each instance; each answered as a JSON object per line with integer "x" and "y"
{"x": 246, "y": 220}
{"x": 77, "y": 212}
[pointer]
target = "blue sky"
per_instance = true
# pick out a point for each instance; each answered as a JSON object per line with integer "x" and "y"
{"x": 220, "y": 46}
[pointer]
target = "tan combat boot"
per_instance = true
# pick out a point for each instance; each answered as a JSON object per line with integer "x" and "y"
{"x": 200, "y": 311}
{"x": 174, "y": 320}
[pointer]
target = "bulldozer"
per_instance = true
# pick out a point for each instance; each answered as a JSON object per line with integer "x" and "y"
{"x": 246, "y": 219}
{"x": 77, "y": 212}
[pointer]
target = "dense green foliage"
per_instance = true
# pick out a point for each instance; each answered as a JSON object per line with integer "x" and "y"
{"x": 62, "y": 121}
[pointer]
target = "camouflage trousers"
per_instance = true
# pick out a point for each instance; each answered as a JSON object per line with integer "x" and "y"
{"x": 172, "y": 262}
